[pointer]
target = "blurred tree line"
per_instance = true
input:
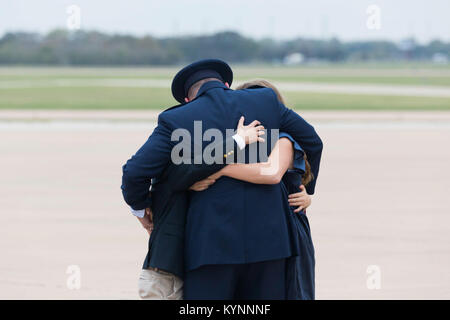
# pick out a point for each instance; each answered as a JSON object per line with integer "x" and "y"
{"x": 61, "y": 47}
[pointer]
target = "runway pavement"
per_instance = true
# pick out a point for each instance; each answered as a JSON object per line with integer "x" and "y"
{"x": 382, "y": 200}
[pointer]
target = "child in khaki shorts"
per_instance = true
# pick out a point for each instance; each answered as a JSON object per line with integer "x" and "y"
{"x": 155, "y": 284}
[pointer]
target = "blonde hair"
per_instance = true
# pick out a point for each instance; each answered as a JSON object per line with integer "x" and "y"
{"x": 264, "y": 84}
{"x": 308, "y": 176}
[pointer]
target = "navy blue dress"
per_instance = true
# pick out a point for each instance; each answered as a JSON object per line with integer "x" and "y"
{"x": 300, "y": 271}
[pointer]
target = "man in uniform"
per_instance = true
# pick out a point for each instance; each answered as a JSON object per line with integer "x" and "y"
{"x": 236, "y": 234}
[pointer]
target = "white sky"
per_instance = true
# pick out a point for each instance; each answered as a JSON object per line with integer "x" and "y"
{"x": 281, "y": 19}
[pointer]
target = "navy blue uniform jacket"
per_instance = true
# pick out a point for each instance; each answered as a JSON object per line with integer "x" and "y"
{"x": 232, "y": 221}
{"x": 170, "y": 202}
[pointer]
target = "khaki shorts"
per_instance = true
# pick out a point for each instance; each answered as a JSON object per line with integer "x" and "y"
{"x": 159, "y": 285}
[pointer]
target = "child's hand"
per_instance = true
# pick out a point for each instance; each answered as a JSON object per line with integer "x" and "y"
{"x": 250, "y": 133}
{"x": 147, "y": 221}
{"x": 202, "y": 184}
{"x": 300, "y": 199}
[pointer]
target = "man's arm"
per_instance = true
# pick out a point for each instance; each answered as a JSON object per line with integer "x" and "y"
{"x": 306, "y": 136}
{"x": 148, "y": 162}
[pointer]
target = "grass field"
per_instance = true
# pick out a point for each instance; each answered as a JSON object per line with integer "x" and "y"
{"x": 148, "y": 88}
{"x": 157, "y": 98}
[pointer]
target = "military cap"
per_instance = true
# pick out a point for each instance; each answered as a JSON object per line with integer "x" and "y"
{"x": 199, "y": 70}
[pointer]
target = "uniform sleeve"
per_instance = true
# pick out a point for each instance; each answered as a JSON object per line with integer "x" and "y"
{"x": 148, "y": 162}
{"x": 302, "y": 132}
